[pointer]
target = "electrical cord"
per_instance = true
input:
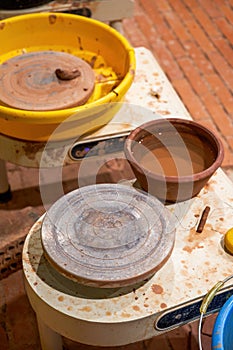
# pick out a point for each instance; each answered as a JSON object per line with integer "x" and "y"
{"x": 205, "y": 303}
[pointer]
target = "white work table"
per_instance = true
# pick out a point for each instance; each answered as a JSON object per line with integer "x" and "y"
{"x": 109, "y": 317}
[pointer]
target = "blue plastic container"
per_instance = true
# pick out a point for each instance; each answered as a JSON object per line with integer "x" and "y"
{"x": 222, "y": 337}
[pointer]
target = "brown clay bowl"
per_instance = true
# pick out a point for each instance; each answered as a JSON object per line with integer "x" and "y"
{"x": 173, "y": 158}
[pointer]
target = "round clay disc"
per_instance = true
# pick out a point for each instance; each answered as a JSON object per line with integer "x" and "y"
{"x": 30, "y": 81}
{"x": 107, "y": 235}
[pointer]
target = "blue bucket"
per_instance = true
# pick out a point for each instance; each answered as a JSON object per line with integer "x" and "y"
{"x": 222, "y": 337}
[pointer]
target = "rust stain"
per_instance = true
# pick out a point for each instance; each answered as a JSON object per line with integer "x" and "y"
{"x": 163, "y": 305}
{"x": 52, "y": 19}
{"x": 108, "y": 313}
{"x": 136, "y": 308}
{"x": 146, "y": 305}
{"x": 69, "y": 308}
{"x": 157, "y": 289}
{"x": 2, "y": 25}
{"x": 61, "y": 298}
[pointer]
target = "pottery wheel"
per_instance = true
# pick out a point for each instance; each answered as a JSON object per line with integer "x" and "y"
{"x": 107, "y": 235}
{"x": 45, "y": 80}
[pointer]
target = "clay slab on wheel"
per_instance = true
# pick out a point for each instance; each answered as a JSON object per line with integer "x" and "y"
{"x": 29, "y": 81}
{"x": 107, "y": 235}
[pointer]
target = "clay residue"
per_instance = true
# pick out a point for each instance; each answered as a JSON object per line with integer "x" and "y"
{"x": 157, "y": 289}
{"x": 165, "y": 112}
{"x": 136, "y": 308}
{"x": 155, "y": 94}
{"x": 195, "y": 240}
{"x": 52, "y": 19}
{"x": 132, "y": 72}
{"x": 80, "y": 43}
{"x": 93, "y": 60}
{"x": 31, "y": 148}
{"x": 125, "y": 315}
{"x": 189, "y": 285}
{"x": 2, "y": 25}
{"x": 163, "y": 305}
{"x": 188, "y": 249}
{"x": 86, "y": 309}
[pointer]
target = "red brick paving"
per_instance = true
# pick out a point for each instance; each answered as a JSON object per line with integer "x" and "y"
{"x": 191, "y": 40}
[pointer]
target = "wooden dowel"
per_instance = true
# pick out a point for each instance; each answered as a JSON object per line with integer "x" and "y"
{"x": 203, "y": 219}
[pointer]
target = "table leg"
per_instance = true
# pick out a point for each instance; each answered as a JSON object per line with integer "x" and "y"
{"x": 49, "y": 339}
{"x": 117, "y": 25}
{"x": 5, "y": 192}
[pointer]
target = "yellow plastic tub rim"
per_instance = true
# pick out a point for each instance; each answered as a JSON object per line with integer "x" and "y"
{"x": 80, "y": 36}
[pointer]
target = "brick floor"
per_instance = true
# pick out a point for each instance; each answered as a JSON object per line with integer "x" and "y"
{"x": 192, "y": 41}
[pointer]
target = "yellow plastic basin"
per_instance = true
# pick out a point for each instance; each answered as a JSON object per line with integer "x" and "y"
{"x": 104, "y": 48}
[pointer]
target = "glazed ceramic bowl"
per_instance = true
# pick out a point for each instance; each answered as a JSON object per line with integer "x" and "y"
{"x": 173, "y": 158}
{"x": 102, "y": 47}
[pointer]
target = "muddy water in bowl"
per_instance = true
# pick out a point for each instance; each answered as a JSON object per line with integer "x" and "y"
{"x": 173, "y": 158}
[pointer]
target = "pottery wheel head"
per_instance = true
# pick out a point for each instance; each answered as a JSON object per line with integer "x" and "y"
{"x": 107, "y": 235}
{"x": 45, "y": 81}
